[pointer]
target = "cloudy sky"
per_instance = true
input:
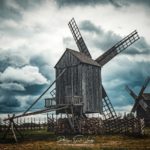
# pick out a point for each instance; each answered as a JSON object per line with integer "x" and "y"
{"x": 35, "y": 33}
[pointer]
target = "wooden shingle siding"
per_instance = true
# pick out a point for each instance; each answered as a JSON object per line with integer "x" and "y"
{"x": 80, "y": 79}
{"x": 92, "y": 81}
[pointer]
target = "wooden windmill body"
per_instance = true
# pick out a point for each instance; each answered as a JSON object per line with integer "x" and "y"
{"x": 80, "y": 83}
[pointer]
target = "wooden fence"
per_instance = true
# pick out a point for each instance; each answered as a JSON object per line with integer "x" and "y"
{"x": 26, "y": 124}
{"x": 126, "y": 125}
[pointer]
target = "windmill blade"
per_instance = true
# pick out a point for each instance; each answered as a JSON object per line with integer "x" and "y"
{"x": 108, "y": 109}
{"x": 134, "y": 107}
{"x": 78, "y": 37}
{"x": 118, "y": 48}
{"x": 142, "y": 103}
{"x": 144, "y": 87}
{"x": 131, "y": 92}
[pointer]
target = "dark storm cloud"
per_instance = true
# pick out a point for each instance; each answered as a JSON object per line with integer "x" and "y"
{"x": 8, "y": 102}
{"x": 29, "y": 4}
{"x": 10, "y": 58}
{"x": 44, "y": 66}
{"x": 34, "y": 90}
{"x": 9, "y": 12}
{"x": 98, "y": 37}
{"x": 131, "y": 73}
{"x": 90, "y": 27}
{"x": 14, "y": 12}
{"x": 63, "y": 3}
{"x": 139, "y": 47}
{"x": 105, "y": 40}
{"x": 115, "y": 3}
{"x": 12, "y": 85}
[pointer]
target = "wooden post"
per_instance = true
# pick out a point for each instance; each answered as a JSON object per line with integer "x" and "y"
{"x": 34, "y": 124}
{"x": 31, "y": 123}
{"x": 39, "y": 124}
{"x": 11, "y": 127}
{"x": 0, "y": 124}
{"x": 24, "y": 123}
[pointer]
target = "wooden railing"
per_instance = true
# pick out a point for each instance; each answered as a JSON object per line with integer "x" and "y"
{"x": 75, "y": 100}
{"x": 50, "y": 102}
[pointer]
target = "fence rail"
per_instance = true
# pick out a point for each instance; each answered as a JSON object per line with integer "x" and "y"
{"x": 25, "y": 124}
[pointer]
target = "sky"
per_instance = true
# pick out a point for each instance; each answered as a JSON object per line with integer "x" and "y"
{"x": 35, "y": 33}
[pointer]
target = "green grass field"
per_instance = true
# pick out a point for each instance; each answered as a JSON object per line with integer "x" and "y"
{"x": 43, "y": 140}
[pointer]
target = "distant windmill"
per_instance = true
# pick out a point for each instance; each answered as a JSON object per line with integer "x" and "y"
{"x": 142, "y": 102}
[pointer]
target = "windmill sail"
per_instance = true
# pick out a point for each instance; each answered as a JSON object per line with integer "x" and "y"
{"x": 139, "y": 100}
{"x": 141, "y": 103}
{"x": 118, "y": 48}
{"x": 108, "y": 109}
{"x": 131, "y": 93}
{"x": 144, "y": 87}
{"x": 78, "y": 37}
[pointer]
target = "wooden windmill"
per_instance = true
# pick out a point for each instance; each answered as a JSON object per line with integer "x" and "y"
{"x": 79, "y": 88}
{"x": 81, "y": 83}
{"x": 142, "y": 102}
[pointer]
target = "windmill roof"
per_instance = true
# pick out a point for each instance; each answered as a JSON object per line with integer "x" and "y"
{"x": 146, "y": 96}
{"x": 83, "y": 58}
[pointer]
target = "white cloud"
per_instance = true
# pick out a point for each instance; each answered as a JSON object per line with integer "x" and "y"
{"x": 124, "y": 109}
{"x": 28, "y": 75}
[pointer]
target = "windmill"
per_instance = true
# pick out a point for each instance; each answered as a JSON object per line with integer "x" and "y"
{"x": 108, "y": 110}
{"x": 79, "y": 88}
{"x": 142, "y": 102}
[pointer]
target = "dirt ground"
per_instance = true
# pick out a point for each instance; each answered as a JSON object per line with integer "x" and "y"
{"x": 42, "y": 140}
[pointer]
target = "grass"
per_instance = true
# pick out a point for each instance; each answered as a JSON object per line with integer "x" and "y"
{"x": 43, "y": 140}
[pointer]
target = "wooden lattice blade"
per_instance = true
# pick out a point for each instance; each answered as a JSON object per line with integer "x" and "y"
{"x": 144, "y": 87}
{"x": 118, "y": 48}
{"x": 78, "y": 37}
{"x": 108, "y": 110}
{"x": 131, "y": 93}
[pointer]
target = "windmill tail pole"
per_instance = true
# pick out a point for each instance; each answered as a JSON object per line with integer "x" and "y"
{"x": 35, "y": 113}
{"x": 44, "y": 91}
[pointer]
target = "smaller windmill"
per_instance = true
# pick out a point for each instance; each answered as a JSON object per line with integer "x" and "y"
{"x": 142, "y": 102}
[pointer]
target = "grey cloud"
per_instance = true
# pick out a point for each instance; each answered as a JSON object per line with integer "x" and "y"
{"x": 29, "y": 4}
{"x": 88, "y": 26}
{"x": 11, "y": 58}
{"x": 104, "y": 40}
{"x": 34, "y": 90}
{"x": 115, "y": 3}
{"x": 128, "y": 73}
{"x": 8, "y": 103}
{"x": 9, "y": 12}
{"x": 12, "y": 86}
{"x": 13, "y": 81}
{"x": 43, "y": 64}
{"x": 13, "y": 9}
{"x": 140, "y": 47}
{"x": 63, "y": 3}
{"x": 98, "y": 37}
